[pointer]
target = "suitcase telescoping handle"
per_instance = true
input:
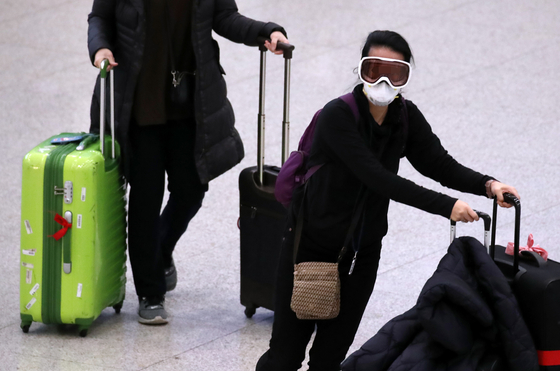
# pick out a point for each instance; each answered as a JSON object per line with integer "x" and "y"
{"x": 103, "y": 67}
{"x": 487, "y": 221}
{"x": 512, "y": 200}
{"x": 287, "y": 50}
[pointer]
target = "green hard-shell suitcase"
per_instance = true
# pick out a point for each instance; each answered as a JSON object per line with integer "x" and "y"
{"x": 73, "y": 228}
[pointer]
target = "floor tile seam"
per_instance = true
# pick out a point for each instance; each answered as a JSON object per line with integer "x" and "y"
{"x": 532, "y": 214}
{"x": 448, "y": 10}
{"x": 8, "y": 325}
{"x": 411, "y": 262}
{"x": 29, "y": 78}
{"x": 33, "y": 12}
{"x": 485, "y": 68}
{"x": 208, "y": 342}
{"x": 104, "y": 367}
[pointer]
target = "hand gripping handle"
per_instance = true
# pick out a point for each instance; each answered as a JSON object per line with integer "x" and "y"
{"x": 512, "y": 200}
{"x": 487, "y": 222}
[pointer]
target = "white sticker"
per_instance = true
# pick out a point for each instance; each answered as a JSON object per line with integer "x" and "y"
{"x": 79, "y": 222}
{"x": 83, "y": 194}
{"x": 27, "y": 265}
{"x": 79, "y": 294}
{"x": 28, "y": 227}
{"x": 30, "y": 252}
{"x": 30, "y": 304}
{"x": 28, "y": 277}
{"x": 34, "y": 289}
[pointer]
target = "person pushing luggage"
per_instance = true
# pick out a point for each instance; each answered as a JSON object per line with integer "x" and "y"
{"x": 172, "y": 116}
{"x": 360, "y": 160}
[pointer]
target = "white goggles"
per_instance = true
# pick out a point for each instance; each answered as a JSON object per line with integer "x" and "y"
{"x": 395, "y": 72}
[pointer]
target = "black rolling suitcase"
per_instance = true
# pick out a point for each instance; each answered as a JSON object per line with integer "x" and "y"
{"x": 262, "y": 217}
{"x": 536, "y": 285}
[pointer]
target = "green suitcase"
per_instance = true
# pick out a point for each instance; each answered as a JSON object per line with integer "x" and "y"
{"x": 73, "y": 230}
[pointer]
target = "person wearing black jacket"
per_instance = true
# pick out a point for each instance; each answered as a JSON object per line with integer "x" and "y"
{"x": 172, "y": 116}
{"x": 361, "y": 159}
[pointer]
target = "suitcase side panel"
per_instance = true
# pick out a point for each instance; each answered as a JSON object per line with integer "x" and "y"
{"x": 98, "y": 239}
{"x": 537, "y": 291}
{"x": 262, "y": 222}
{"x": 31, "y": 240}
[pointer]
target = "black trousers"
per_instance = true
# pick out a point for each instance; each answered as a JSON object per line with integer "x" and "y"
{"x": 334, "y": 337}
{"x": 152, "y": 234}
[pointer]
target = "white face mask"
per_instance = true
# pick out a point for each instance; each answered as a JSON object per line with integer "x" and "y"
{"x": 380, "y": 94}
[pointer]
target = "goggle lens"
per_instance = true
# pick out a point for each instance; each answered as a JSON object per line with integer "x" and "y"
{"x": 373, "y": 69}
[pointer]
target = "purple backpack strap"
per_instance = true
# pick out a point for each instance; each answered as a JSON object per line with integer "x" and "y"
{"x": 351, "y": 101}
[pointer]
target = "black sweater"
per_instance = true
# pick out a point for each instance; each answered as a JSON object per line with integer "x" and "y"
{"x": 367, "y": 153}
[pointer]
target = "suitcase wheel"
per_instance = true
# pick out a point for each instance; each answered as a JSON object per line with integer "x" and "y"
{"x": 83, "y": 331}
{"x": 250, "y": 310}
{"x": 25, "y": 328}
{"x": 118, "y": 307}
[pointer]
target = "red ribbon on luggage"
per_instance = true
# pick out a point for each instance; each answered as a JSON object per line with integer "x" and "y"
{"x": 530, "y": 241}
{"x": 549, "y": 357}
{"x": 65, "y": 226}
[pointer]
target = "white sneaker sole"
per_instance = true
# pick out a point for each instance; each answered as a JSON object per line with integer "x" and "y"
{"x": 155, "y": 321}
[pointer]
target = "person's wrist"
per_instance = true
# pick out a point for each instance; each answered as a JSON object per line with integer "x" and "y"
{"x": 488, "y": 186}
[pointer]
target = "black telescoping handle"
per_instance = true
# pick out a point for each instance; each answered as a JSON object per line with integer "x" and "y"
{"x": 487, "y": 222}
{"x": 287, "y": 50}
{"x": 514, "y": 201}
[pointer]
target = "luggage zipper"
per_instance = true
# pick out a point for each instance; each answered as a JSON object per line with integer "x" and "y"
{"x": 52, "y": 249}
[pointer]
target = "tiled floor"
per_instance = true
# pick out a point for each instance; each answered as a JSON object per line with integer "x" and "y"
{"x": 485, "y": 77}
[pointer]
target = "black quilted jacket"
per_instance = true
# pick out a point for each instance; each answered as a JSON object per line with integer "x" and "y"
{"x": 465, "y": 312}
{"x": 120, "y": 26}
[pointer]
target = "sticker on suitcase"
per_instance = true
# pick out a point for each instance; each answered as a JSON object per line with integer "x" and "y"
{"x": 30, "y": 252}
{"x": 27, "y": 265}
{"x": 79, "y": 221}
{"x": 28, "y": 227}
{"x": 30, "y": 304}
{"x": 28, "y": 277}
{"x": 34, "y": 289}
{"x": 79, "y": 293}
{"x": 83, "y": 198}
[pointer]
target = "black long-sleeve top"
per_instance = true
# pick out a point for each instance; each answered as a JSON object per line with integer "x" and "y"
{"x": 368, "y": 154}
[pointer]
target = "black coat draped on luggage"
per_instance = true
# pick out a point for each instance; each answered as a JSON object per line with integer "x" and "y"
{"x": 465, "y": 311}
{"x": 120, "y": 26}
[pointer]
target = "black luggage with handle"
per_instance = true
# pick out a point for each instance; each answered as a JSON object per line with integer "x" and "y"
{"x": 536, "y": 285}
{"x": 262, "y": 217}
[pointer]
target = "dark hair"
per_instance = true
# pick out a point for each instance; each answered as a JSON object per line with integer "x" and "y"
{"x": 388, "y": 39}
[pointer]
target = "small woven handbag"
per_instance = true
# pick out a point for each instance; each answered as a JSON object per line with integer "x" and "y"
{"x": 316, "y": 292}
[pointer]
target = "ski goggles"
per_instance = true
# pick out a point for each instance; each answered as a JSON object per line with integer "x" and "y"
{"x": 395, "y": 72}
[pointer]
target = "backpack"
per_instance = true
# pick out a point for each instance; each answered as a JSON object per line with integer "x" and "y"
{"x": 294, "y": 171}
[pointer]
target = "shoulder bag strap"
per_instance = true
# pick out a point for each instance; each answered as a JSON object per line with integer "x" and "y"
{"x": 355, "y": 218}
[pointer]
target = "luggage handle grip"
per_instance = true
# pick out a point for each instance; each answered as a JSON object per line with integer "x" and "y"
{"x": 533, "y": 257}
{"x": 487, "y": 222}
{"x": 102, "y": 101}
{"x": 287, "y": 49}
{"x": 514, "y": 201}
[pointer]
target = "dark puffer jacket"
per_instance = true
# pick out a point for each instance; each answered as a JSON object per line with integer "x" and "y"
{"x": 465, "y": 311}
{"x": 120, "y": 26}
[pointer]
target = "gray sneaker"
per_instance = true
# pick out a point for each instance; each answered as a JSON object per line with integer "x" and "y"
{"x": 171, "y": 276}
{"x": 151, "y": 311}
